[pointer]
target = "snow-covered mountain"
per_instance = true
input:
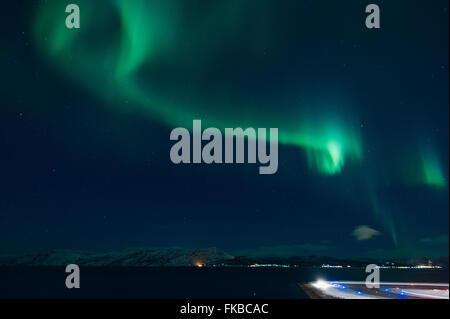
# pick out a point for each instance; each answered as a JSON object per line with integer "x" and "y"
{"x": 180, "y": 257}
{"x": 141, "y": 257}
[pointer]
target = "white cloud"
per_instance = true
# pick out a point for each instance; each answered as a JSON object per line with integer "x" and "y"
{"x": 364, "y": 232}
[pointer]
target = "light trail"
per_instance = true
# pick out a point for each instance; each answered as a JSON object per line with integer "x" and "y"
{"x": 398, "y": 290}
{"x": 391, "y": 283}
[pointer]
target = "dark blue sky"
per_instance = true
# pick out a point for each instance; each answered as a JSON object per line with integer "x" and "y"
{"x": 84, "y": 168}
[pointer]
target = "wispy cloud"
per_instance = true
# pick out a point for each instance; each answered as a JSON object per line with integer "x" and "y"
{"x": 364, "y": 232}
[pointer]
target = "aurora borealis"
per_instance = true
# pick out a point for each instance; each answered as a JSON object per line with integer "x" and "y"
{"x": 124, "y": 67}
{"x": 362, "y": 117}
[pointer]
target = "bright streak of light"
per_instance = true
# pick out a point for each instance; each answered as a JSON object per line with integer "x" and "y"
{"x": 321, "y": 284}
{"x": 337, "y": 289}
{"x": 392, "y": 283}
{"x": 432, "y": 294}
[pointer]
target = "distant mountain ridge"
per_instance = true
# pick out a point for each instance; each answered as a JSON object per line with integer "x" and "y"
{"x": 141, "y": 257}
{"x": 181, "y": 257}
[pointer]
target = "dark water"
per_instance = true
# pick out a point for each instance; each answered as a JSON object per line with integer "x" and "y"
{"x": 273, "y": 283}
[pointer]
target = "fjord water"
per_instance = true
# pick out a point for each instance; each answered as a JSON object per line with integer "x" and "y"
{"x": 192, "y": 283}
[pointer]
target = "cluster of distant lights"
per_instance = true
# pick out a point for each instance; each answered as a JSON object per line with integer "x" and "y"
{"x": 419, "y": 267}
{"x": 388, "y": 267}
{"x": 348, "y": 266}
{"x": 200, "y": 265}
{"x": 269, "y": 265}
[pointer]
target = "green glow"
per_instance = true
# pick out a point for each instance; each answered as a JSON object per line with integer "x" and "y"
{"x": 335, "y": 151}
{"x": 432, "y": 173}
{"x": 119, "y": 70}
{"x": 383, "y": 216}
{"x": 425, "y": 168}
{"x": 328, "y": 144}
{"x": 328, "y": 160}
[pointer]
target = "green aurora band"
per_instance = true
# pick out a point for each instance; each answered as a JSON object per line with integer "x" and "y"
{"x": 156, "y": 57}
{"x": 118, "y": 68}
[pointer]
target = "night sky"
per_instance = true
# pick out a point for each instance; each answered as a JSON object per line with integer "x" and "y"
{"x": 363, "y": 118}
